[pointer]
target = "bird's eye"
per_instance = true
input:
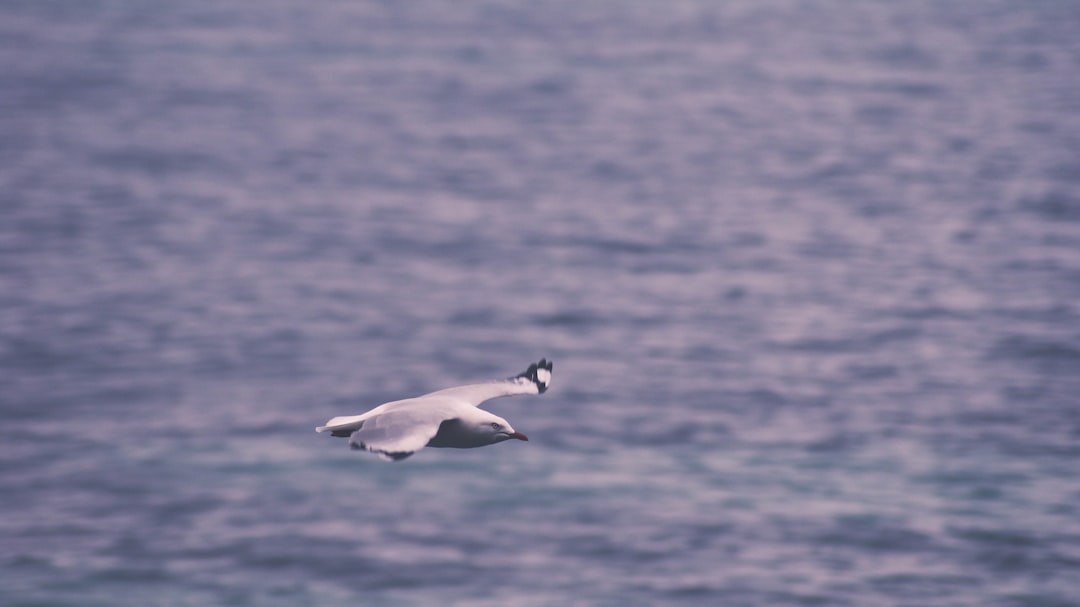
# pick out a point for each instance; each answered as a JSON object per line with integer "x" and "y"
{"x": 495, "y": 426}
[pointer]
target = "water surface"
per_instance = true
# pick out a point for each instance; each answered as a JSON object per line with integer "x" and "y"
{"x": 809, "y": 272}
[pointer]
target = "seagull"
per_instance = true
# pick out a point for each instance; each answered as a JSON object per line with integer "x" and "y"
{"x": 446, "y": 418}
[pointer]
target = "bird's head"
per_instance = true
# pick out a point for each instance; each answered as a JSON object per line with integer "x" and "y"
{"x": 499, "y": 430}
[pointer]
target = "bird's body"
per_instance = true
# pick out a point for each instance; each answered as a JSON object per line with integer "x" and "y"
{"x": 445, "y": 418}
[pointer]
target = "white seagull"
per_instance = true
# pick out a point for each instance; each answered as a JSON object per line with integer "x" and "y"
{"x": 446, "y": 418}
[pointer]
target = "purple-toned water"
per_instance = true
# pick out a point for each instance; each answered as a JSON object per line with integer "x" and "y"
{"x": 809, "y": 272}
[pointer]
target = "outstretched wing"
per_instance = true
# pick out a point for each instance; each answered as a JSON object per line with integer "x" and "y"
{"x": 534, "y": 380}
{"x": 397, "y": 434}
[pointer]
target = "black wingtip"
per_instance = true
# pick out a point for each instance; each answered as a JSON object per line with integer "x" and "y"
{"x": 533, "y": 374}
{"x": 396, "y": 456}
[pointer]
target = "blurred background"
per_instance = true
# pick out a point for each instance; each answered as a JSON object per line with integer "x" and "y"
{"x": 809, "y": 273}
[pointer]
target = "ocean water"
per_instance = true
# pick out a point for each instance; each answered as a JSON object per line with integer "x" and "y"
{"x": 809, "y": 273}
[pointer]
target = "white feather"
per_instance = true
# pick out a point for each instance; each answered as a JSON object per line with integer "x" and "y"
{"x": 397, "y": 429}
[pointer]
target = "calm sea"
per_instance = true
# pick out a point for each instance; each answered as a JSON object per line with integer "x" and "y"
{"x": 809, "y": 273}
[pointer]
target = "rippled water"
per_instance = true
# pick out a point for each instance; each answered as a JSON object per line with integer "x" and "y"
{"x": 810, "y": 273}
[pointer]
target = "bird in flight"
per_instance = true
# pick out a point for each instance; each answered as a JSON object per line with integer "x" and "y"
{"x": 451, "y": 417}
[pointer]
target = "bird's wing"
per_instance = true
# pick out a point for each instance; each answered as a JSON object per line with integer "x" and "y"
{"x": 398, "y": 433}
{"x": 534, "y": 380}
